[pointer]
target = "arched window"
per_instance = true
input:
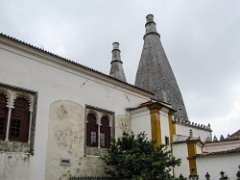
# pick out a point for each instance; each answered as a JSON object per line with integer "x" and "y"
{"x": 92, "y": 130}
{"x": 20, "y": 119}
{"x": 105, "y": 133}
{"x": 3, "y": 116}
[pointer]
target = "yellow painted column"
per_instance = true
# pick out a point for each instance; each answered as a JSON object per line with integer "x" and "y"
{"x": 172, "y": 131}
{"x": 172, "y": 126}
{"x": 156, "y": 125}
{"x": 192, "y": 151}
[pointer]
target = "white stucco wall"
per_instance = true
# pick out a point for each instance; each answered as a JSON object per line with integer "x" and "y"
{"x": 183, "y": 130}
{"x": 180, "y": 151}
{"x": 215, "y": 164}
{"x": 14, "y": 163}
{"x": 141, "y": 121}
{"x": 199, "y": 148}
{"x": 164, "y": 124}
{"x": 56, "y": 81}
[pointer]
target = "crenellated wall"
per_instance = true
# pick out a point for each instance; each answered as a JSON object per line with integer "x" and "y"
{"x": 198, "y": 130}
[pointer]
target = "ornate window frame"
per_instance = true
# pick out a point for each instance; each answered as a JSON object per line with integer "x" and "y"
{"x": 101, "y": 129}
{"x": 25, "y": 145}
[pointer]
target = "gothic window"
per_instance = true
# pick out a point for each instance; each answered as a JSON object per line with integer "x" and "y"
{"x": 20, "y": 119}
{"x": 3, "y": 116}
{"x": 99, "y": 130}
{"x": 92, "y": 130}
{"x": 17, "y": 119}
{"x": 105, "y": 132}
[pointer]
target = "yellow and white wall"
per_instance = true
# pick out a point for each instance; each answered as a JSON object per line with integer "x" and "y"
{"x": 156, "y": 120}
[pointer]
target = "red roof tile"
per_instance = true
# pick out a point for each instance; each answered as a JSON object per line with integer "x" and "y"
{"x": 235, "y": 150}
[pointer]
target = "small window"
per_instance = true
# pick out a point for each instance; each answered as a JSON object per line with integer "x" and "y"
{"x": 15, "y": 128}
{"x": 105, "y": 131}
{"x": 99, "y": 130}
{"x": 19, "y": 126}
{"x": 93, "y": 138}
{"x": 166, "y": 140}
{"x": 92, "y": 130}
{"x": 102, "y": 140}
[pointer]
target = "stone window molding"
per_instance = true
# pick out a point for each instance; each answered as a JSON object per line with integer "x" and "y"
{"x": 104, "y": 130}
{"x": 19, "y": 127}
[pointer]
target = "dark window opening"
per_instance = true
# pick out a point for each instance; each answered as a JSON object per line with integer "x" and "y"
{"x": 105, "y": 133}
{"x": 3, "y": 116}
{"x": 19, "y": 125}
{"x": 166, "y": 140}
{"x": 92, "y": 131}
{"x": 15, "y": 128}
{"x": 102, "y": 140}
{"x": 2, "y": 126}
{"x": 93, "y": 138}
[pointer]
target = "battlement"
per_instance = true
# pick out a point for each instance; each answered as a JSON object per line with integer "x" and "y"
{"x": 192, "y": 124}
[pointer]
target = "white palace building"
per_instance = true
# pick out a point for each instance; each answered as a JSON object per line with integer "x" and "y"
{"x": 58, "y": 116}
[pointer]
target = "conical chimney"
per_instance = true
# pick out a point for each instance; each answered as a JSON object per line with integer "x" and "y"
{"x": 155, "y": 73}
{"x": 116, "y": 70}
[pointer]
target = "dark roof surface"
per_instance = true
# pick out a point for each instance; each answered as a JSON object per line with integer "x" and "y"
{"x": 152, "y": 102}
{"x": 236, "y": 134}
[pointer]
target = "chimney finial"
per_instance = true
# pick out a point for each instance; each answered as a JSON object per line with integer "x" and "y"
{"x": 115, "y": 45}
{"x": 150, "y": 18}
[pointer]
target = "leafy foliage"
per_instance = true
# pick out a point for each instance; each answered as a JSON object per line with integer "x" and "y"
{"x": 138, "y": 158}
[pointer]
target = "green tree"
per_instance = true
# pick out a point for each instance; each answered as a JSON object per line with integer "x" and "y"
{"x": 136, "y": 157}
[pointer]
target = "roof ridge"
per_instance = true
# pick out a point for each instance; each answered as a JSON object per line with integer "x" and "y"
{"x": 236, "y": 134}
{"x": 234, "y": 150}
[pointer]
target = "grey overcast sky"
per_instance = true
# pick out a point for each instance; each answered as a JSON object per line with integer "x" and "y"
{"x": 201, "y": 39}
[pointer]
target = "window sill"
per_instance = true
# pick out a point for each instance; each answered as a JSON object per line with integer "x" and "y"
{"x": 14, "y": 146}
{"x": 95, "y": 151}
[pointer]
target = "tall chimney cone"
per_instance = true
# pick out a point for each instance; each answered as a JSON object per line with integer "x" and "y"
{"x": 116, "y": 70}
{"x": 155, "y": 73}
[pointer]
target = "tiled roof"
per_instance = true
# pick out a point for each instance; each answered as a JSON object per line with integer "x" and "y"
{"x": 235, "y": 150}
{"x": 236, "y": 134}
{"x": 67, "y": 60}
{"x": 152, "y": 102}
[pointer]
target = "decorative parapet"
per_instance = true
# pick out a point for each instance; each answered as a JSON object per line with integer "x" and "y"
{"x": 223, "y": 176}
{"x": 193, "y": 124}
{"x": 207, "y": 176}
